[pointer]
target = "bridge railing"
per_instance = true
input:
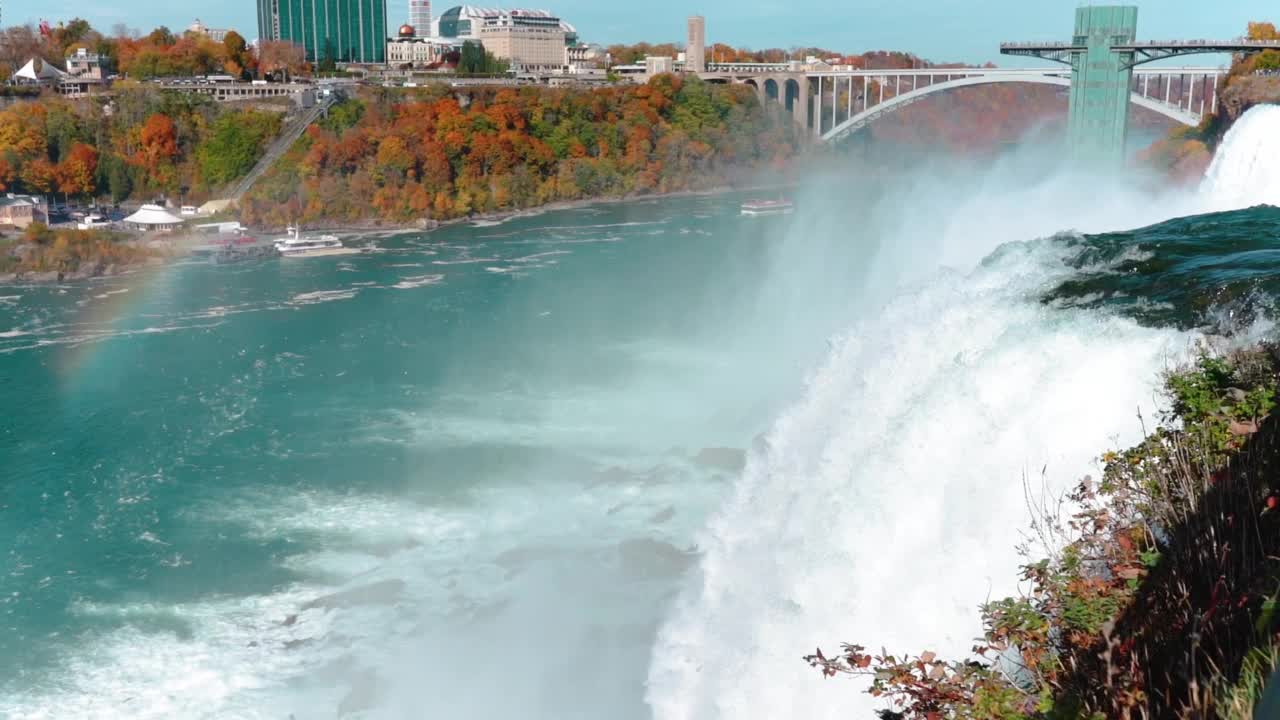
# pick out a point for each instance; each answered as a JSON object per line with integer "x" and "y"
{"x": 1240, "y": 42}
{"x": 749, "y": 67}
{"x": 1053, "y": 45}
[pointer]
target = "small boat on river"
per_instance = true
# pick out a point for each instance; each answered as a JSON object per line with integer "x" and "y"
{"x": 295, "y": 244}
{"x": 768, "y": 207}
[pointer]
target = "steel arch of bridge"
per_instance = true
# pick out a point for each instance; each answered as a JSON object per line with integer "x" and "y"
{"x": 1061, "y": 78}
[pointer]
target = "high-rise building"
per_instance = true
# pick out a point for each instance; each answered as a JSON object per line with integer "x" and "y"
{"x": 695, "y": 49}
{"x": 214, "y": 34}
{"x": 353, "y": 31}
{"x": 420, "y": 17}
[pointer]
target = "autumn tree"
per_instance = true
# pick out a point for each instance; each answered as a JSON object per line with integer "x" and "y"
{"x": 281, "y": 57}
{"x": 7, "y": 174}
{"x": 76, "y": 173}
{"x": 67, "y": 35}
{"x": 161, "y": 37}
{"x": 157, "y": 150}
{"x": 19, "y": 44}
{"x": 39, "y": 176}
{"x": 159, "y": 140}
{"x": 238, "y": 57}
{"x": 1263, "y": 31}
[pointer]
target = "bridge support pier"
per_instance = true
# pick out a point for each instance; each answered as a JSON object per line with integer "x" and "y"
{"x": 1098, "y": 125}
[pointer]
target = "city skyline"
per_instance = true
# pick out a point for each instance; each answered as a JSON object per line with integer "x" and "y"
{"x": 939, "y": 30}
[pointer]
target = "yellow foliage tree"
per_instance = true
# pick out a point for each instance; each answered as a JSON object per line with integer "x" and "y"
{"x": 1263, "y": 31}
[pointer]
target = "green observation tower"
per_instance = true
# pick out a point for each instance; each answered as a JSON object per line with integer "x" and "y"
{"x": 1101, "y": 56}
{"x": 1098, "y": 125}
{"x": 341, "y": 31}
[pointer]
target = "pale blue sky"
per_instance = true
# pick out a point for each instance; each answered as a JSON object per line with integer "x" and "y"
{"x": 940, "y": 30}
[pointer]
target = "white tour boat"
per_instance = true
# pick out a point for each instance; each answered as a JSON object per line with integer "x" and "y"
{"x": 767, "y": 207}
{"x": 295, "y": 244}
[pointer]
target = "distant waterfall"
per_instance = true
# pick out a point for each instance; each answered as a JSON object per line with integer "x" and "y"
{"x": 1246, "y": 170}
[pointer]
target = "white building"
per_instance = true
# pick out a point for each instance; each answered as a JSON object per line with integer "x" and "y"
{"x": 656, "y": 65}
{"x": 152, "y": 218}
{"x": 696, "y": 46}
{"x": 214, "y": 34}
{"x": 586, "y": 56}
{"x": 420, "y": 17}
{"x": 22, "y": 210}
{"x": 38, "y": 72}
{"x": 409, "y": 48}
{"x": 531, "y": 40}
{"x": 85, "y": 65}
{"x": 634, "y": 72}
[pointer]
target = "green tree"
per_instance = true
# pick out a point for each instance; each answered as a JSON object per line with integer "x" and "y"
{"x": 328, "y": 58}
{"x": 343, "y": 115}
{"x": 162, "y": 37}
{"x": 117, "y": 180}
{"x": 73, "y": 32}
{"x": 63, "y": 130}
{"x": 475, "y": 60}
{"x": 234, "y": 145}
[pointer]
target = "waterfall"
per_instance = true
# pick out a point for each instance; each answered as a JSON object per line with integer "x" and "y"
{"x": 886, "y": 505}
{"x": 1246, "y": 169}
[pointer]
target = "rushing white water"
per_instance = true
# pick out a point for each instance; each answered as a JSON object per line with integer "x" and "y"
{"x": 1244, "y": 172}
{"x": 886, "y": 505}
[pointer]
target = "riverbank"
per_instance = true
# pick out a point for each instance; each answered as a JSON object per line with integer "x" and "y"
{"x": 149, "y": 253}
{"x": 346, "y": 230}
{"x": 44, "y": 255}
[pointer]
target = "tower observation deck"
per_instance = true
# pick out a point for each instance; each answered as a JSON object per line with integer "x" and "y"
{"x": 1102, "y": 54}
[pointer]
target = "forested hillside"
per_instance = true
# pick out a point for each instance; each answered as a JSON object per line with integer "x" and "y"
{"x": 440, "y": 154}
{"x": 140, "y": 143}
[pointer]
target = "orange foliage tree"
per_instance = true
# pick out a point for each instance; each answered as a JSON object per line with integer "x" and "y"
{"x": 75, "y": 174}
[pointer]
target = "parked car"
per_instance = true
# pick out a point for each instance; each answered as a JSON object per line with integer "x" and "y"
{"x": 188, "y": 210}
{"x": 93, "y": 221}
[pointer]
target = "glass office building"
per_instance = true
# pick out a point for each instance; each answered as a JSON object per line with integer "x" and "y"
{"x": 352, "y": 31}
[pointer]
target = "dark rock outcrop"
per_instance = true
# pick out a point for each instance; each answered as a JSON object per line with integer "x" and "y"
{"x": 1243, "y": 93}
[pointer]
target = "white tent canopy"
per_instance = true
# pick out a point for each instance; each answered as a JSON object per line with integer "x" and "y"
{"x": 153, "y": 217}
{"x": 37, "y": 70}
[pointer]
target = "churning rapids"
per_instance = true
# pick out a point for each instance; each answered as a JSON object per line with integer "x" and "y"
{"x": 626, "y": 461}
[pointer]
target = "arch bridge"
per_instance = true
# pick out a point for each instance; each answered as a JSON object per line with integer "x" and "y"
{"x": 1103, "y": 65}
{"x": 834, "y": 103}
